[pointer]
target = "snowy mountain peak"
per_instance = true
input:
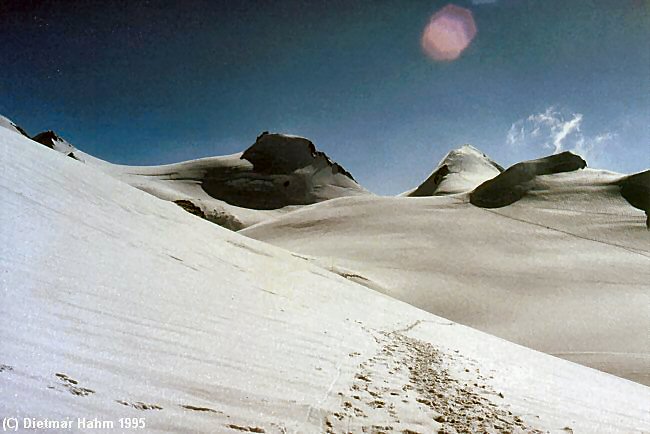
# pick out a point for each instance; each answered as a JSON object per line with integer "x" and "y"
{"x": 467, "y": 156}
{"x": 461, "y": 170}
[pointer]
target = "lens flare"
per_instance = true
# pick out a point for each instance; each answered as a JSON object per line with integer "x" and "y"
{"x": 448, "y": 33}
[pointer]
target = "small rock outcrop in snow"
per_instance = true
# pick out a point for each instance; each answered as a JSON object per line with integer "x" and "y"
{"x": 512, "y": 185}
{"x": 222, "y": 218}
{"x": 286, "y": 170}
{"x": 460, "y": 171}
{"x": 52, "y": 141}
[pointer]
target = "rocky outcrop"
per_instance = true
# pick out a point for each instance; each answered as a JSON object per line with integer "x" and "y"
{"x": 636, "y": 190}
{"x": 47, "y": 138}
{"x": 282, "y": 154}
{"x": 53, "y": 141}
{"x": 188, "y": 206}
{"x": 284, "y": 170}
{"x": 222, "y": 218}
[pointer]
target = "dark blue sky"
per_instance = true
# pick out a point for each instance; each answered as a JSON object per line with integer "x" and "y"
{"x": 157, "y": 82}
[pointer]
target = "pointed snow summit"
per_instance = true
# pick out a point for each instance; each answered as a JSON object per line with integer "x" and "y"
{"x": 461, "y": 170}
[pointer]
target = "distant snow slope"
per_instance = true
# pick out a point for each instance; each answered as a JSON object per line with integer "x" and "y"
{"x": 116, "y": 304}
{"x": 565, "y": 270}
{"x": 461, "y": 170}
{"x": 272, "y": 177}
{"x": 10, "y": 125}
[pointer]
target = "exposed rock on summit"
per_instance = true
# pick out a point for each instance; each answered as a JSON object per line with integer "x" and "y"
{"x": 53, "y": 141}
{"x": 282, "y": 154}
{"x": 284, "y": 170}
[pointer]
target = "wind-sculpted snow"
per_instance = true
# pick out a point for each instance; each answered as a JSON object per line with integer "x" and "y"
{"x": 564, "y": 270}
{"x": 511, "y": 185}
{"x": 118, "y": 305}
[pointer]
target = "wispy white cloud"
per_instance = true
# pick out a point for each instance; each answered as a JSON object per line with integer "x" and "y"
{"x": 558, "y": 130}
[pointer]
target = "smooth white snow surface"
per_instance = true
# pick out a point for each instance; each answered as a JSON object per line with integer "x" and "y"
{"x": 118, "y": 304}
{"x": 565, "y": 270}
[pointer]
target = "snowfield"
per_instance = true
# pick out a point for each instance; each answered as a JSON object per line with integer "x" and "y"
{"x": 118, "y": 304}
{"x": 564, "y": 270}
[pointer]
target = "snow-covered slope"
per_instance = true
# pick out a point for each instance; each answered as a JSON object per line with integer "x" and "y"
{"x": 564, "y": 270}
{"x": 11, "y": 126}
{"x": 182, "y": 183}
{"x": 461, "y": 170}
{"x": 115, "y": 304}
{"x": 272, "y": 177}
{"x": 277, "y": 174}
